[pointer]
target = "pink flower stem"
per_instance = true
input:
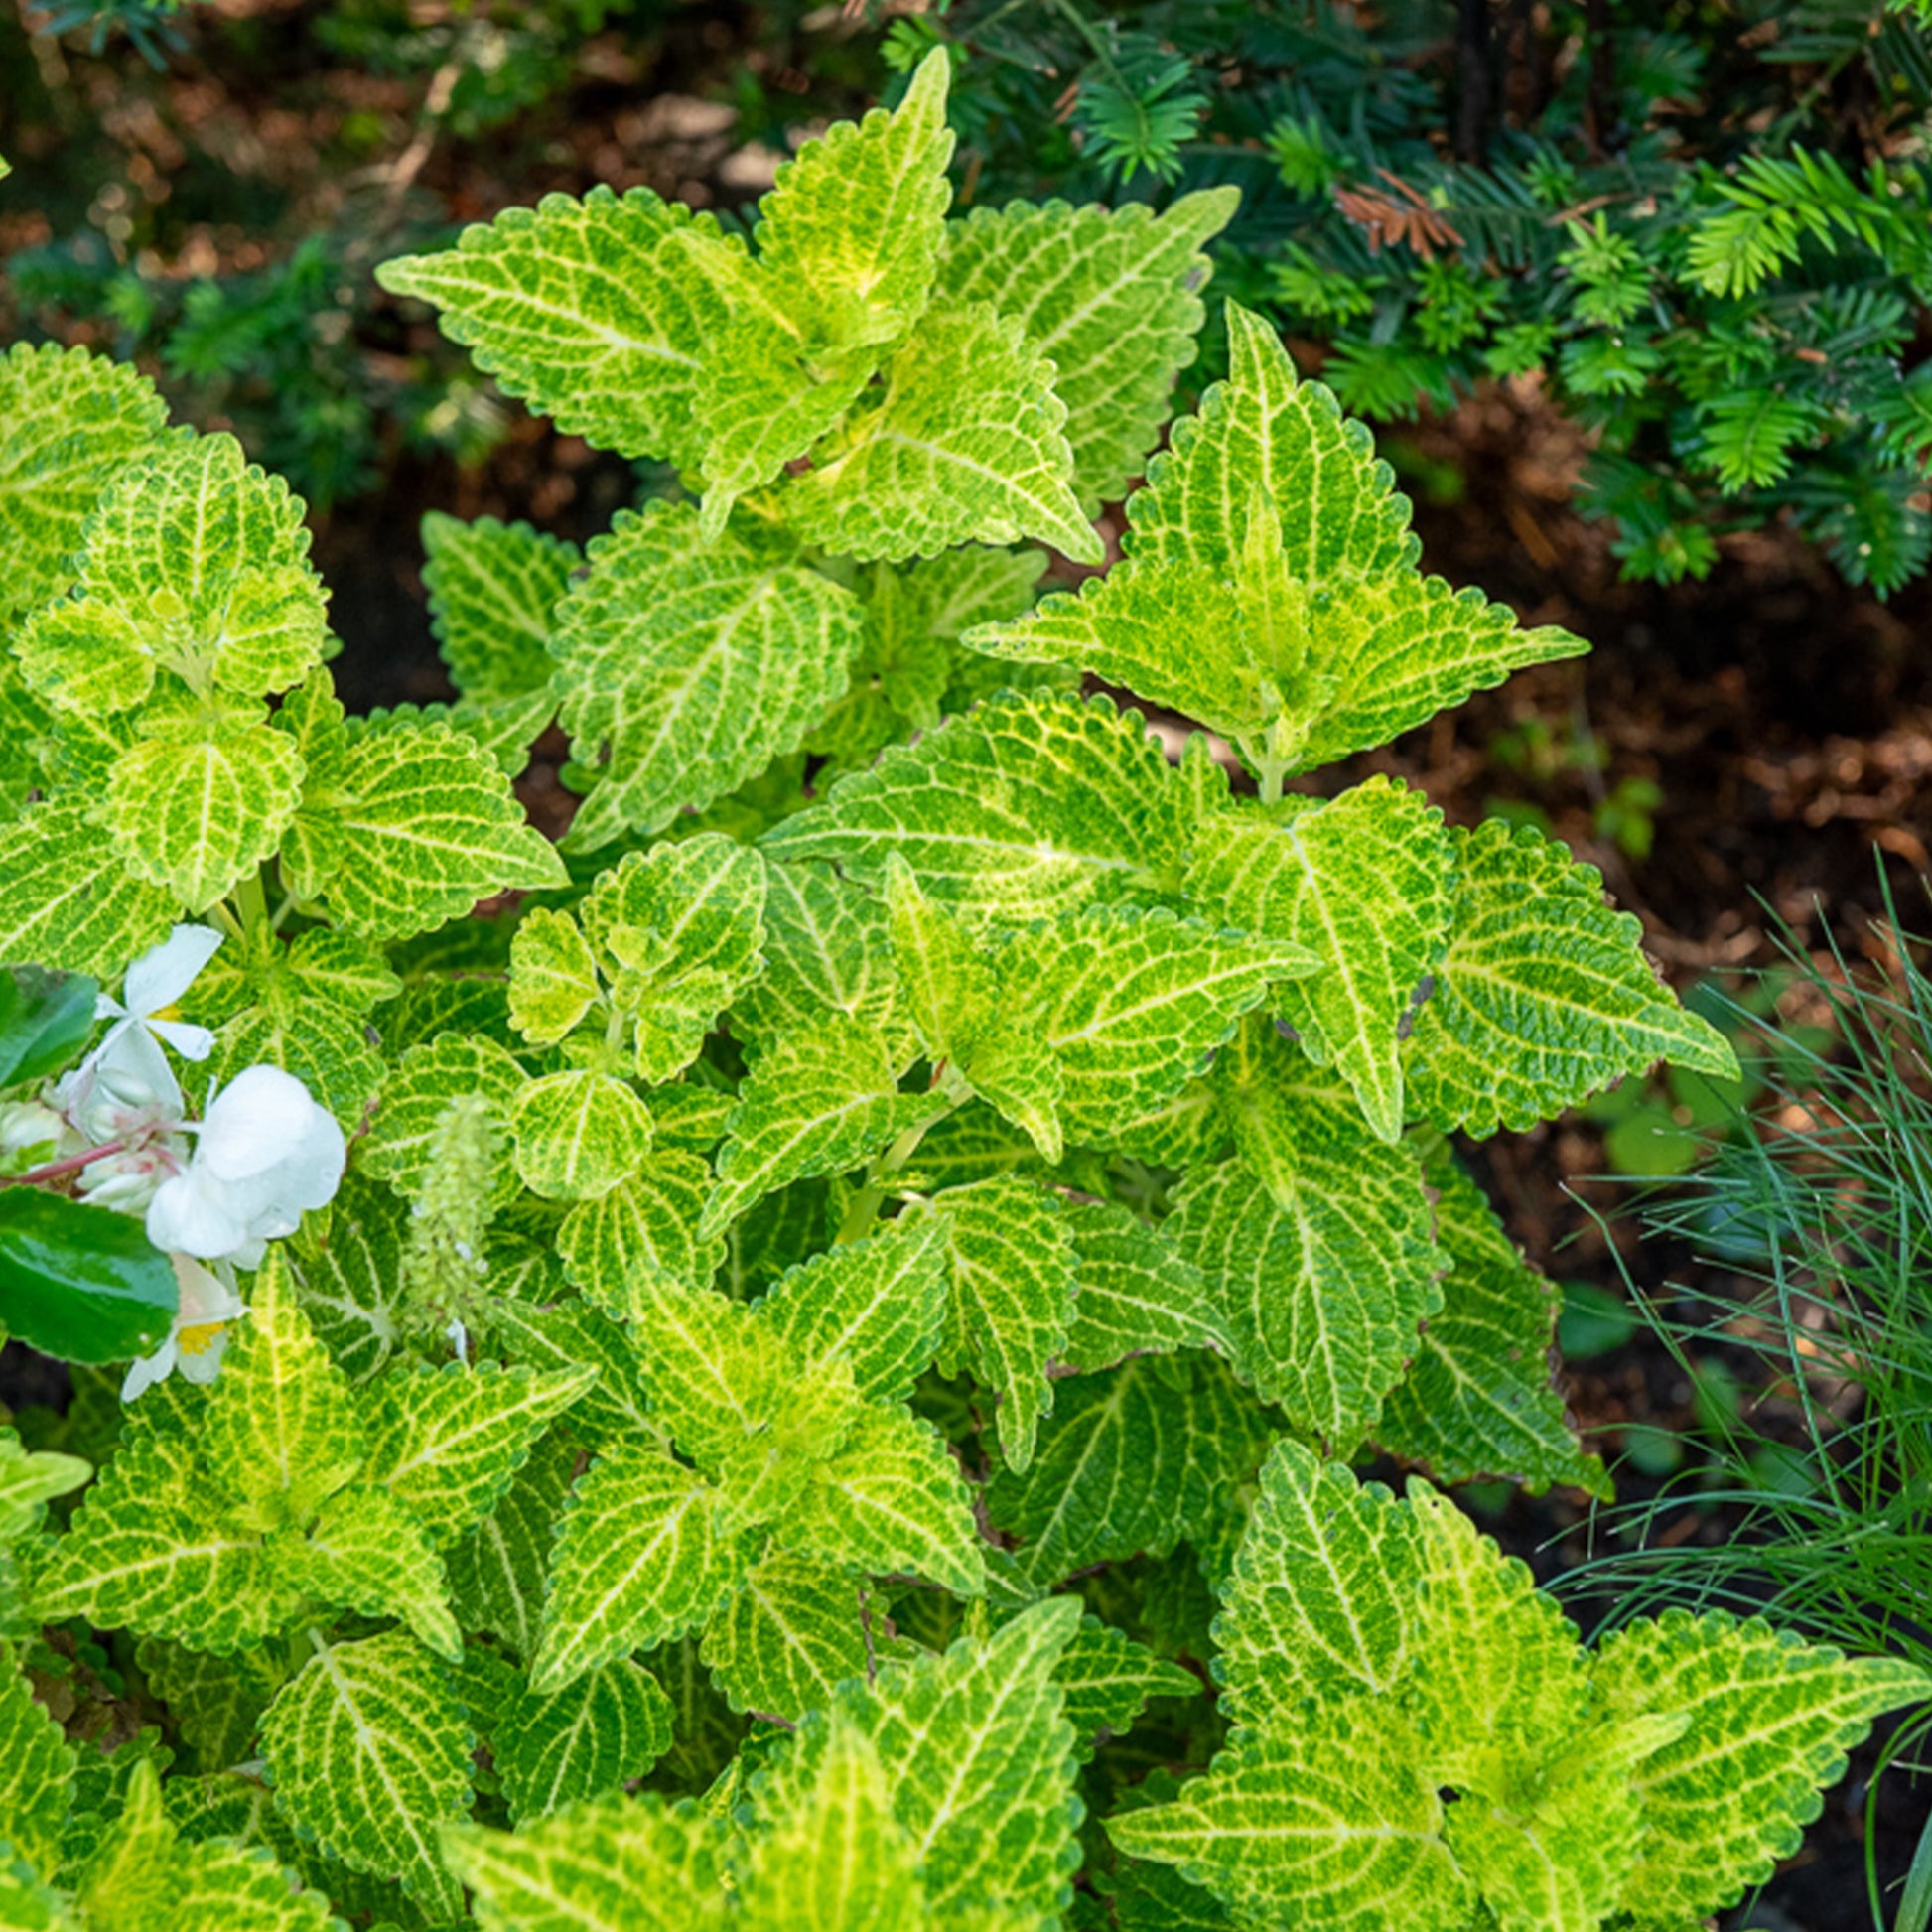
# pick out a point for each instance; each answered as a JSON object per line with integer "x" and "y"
{"x": 56, "y": 1169}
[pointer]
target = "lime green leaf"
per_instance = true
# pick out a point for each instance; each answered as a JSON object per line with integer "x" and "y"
{"x": 1029, "y": 807}
{"x": 768, "y": 397}
{"x": 36, "y": 1771}
{"x": 688, "y": 668}
{"x": 351, "y": 1275}
{"x": 447, "y": 1444}
{"x": 1392, "y": 651}
{"x": 982, "y": 1768}
{"x": 401, "y": 830}
{"x": 641, "y": 1234}
{"x": 503, "y": 729}
{"x": 890, "y": 1498}
{"x": 910, "y": 669}
{"x": 153, "y": 1548}
{"x": 496, "y": 1572}
{"x": 572, "y": 1336}
{"x": 638, "y": 1561}
{"x": 834, "y": 1856}
{"x": 217, "y": 1883}
{"x": 967, "y": 446}
{"x": 584, "y": 1742}
{"x": 1500, "y": 1684}
{"x": 1477, "y": 1400}
{"x": 790, "y": 1635}
{"x": 1240, "y": 645}
{"x": 1336, "y": 1827}
{"x": 578, "y": 1133}
{"x": 280, "y": 1433}
{"x": 1318, "y": 1242}
{"x": 73, "y": 423}
{"x": 195, "y": 565}
{"x": 1136, "y": 1293}
{"x": 1132, "y": 1004}
{"x": 30, "y": 1477}
{"x": 815, "y": 1103}
{"x": 1321, "y": 1600}
{"x": 854, "y": 226}
{"x": 121, "y": 1881}
{"x": 1171, "y": 634}
{"x": 367, "y": 1552}
{"x": 1013, "y": 1288}
{"x": 494, "y": 589}
{"x": 426, "y": 1079}
{"x": 825, "y": 953}
{"x": 1771, "y": 1720}
{"x": 1543, "y": 995}
{"x": 69, "y": 902}
{"x": 953, "y": 995}
{"x": 621, "y": 1865}
{"x": 302, "y": 1008}
{"x": 1130, "y": 1460}
{"x": 678, "y": 931}
{"x": 1111, "y": 295}
{"x": 1264, "y": 433}
{"x": 1108, "y": 1679}
{"x": 1364, "y": 883}
{"x": 368, "y": 1750}
{"x": 553, "y": 977}
{"x": 578, "y": 309}
{"x": 83, "y": 1284}
{"x": 214, "y": 1702}
{"x": 195, "y": 804}
{"x": 878, "y": 1306}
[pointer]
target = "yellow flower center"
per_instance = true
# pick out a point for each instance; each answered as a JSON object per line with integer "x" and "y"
{"x": 199, "y": 1340}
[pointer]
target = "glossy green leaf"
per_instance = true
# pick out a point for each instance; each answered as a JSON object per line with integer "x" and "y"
{"x": 82, "y": 1284}
{"x": 45, "y": 1021}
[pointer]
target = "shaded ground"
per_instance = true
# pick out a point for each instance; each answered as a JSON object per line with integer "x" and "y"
{"x": 1783, "y": 720}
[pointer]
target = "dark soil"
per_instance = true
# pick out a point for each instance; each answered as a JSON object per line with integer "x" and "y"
{"x": 1785, "y": 718}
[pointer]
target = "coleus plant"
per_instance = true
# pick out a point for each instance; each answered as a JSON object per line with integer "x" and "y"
{"x": 921, "y": 1196}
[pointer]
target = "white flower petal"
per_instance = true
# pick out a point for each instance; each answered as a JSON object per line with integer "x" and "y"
{"x": 192, "y": 1214}
{"x": 149, "y": 1370}
{"x": 261, "y": 1119}
{"x": 161, "y": 976}
{"x": 205, "y": 1296}
{"x": 192, "y": 1043}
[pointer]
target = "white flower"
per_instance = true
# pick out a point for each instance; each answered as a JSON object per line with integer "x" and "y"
{"x": 266, "y": 1154}
{"x": 126, "y": 1081}
{"x": 199, "y": 1332}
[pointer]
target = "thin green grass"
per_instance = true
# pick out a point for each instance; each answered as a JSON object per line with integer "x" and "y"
{"x": 1812, "y": 1223}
